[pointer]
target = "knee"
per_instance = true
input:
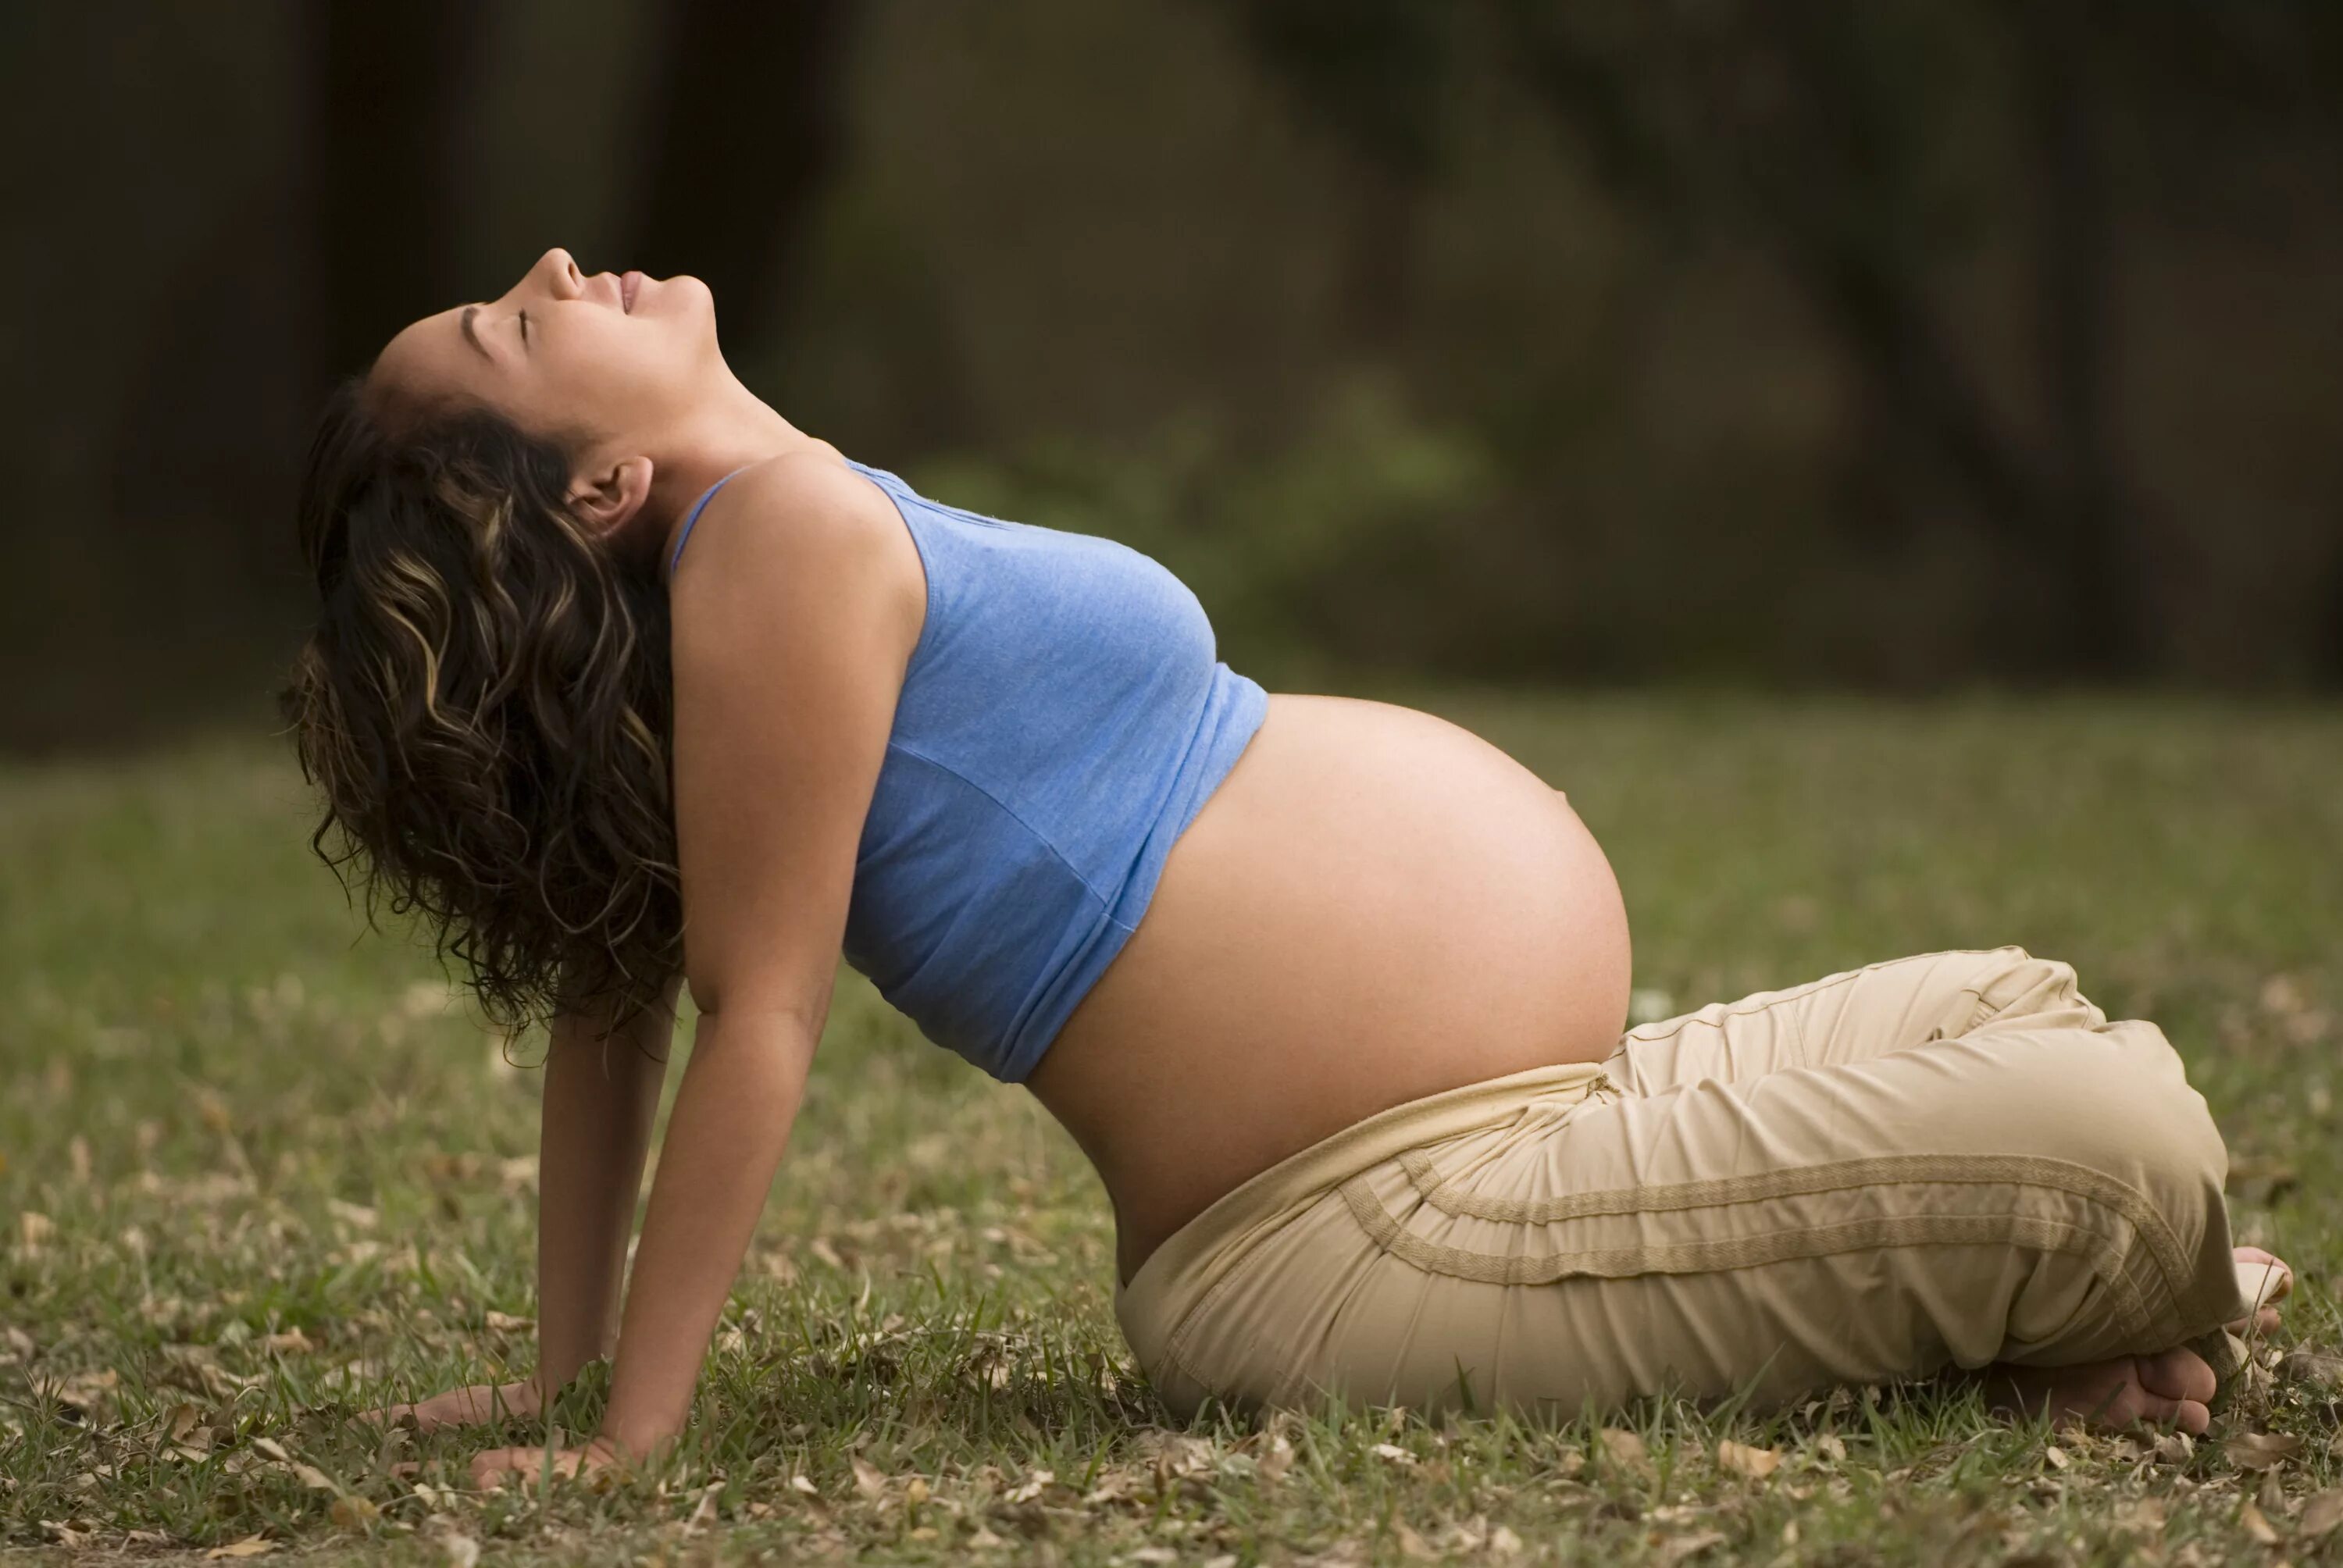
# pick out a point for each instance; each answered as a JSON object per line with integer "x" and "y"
{"x": 2175, "y": 1133}
{"x": 2128, "y": 1111}
{"x": 2013, "y": 985}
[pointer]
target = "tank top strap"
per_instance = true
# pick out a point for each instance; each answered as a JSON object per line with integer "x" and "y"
{"x": 699, "y": 506}
{"x": 889, "y": 482}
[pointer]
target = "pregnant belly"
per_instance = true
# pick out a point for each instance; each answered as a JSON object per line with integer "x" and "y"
{"x": 1375, "y": 905}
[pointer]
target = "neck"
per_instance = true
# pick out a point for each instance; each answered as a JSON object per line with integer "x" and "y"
{"x": 736, "y": 431}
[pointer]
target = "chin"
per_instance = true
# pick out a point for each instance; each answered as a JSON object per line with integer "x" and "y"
{"x": 697, "y": 306}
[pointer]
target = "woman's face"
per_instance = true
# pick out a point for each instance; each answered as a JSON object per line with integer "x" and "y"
{"x": 564, "y": 354}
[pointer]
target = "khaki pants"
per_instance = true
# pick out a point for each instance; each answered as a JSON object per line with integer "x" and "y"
{"x": 1942, "y": 1160}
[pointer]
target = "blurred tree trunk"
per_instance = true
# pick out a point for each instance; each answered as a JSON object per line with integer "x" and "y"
{"x": 1794, "y": 123}
{"x": 2326, "y": 666}
{"x": 392, "y": 84}
{"x": 748, "y": 129}
{"x": 1375, "y": 74}
{"x": 2075, "y": 283}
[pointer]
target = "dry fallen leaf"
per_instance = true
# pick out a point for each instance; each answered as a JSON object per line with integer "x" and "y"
{"x": 1684, "y": 1546}
{"x": 2256, "y": 1526}
{"x": 352, "y": 1513}
{"x": 706, "y": 1512}
{"x": 250, "y": 1546}
{"x": 356, "y": 1214}
{"x": 1626, "y": 1449}
{"x": 2261, "y": 1449}
{"x": 2055, "y": 1456}
{"x": 1743, "y": 1460}
{"x": 2320, "y": 1515}
{"x": 1393, "y": 1452}
{"x": 2300, "y": 1365}
{"x": 868, "y": 1479}
{"x": 1504, "y": 1543}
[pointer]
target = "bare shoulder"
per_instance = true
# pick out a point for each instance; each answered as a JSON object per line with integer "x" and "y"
{"x": 802, "y": 536}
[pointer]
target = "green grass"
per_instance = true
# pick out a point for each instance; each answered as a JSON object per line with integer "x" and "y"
{"x": 259, "y": 1173}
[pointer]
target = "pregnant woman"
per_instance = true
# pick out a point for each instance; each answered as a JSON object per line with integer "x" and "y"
{"x": 627, "y": 685}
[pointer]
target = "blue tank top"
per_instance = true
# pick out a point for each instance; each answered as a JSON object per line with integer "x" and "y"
{"x": 1061, "y": 721}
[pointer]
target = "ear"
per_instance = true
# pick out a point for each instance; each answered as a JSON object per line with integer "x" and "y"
{"x": 612, "y": 496}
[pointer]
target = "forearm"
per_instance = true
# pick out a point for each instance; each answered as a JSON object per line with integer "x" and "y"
{"x": 731, "y": 1121}
{"x": 600, "y": 1098}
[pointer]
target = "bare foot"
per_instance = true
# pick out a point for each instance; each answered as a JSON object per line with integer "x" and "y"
{"x": 2262, "y": 1278}
{"x": 2170, "y": 1388}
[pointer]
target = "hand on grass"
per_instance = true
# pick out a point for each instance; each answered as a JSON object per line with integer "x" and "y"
{"x": 472, "y": 1406}
{"x": 500, "y": 1466}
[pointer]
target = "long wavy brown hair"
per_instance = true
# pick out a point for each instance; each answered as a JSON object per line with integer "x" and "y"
{"x": 486, "y": 705}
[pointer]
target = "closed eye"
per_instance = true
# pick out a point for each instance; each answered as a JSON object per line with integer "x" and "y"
{"x": 524, "y": 326}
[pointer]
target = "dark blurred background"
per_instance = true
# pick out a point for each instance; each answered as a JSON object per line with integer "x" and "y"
{"x": 1899, "y": 343}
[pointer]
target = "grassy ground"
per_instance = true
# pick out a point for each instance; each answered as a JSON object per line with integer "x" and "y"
{"x": 258, "y": 1173}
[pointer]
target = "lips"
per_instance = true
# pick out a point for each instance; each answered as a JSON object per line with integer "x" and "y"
{"x": 630, "y": 284}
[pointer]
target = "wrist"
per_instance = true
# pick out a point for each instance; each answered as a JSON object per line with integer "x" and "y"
{"x": 636, "y": 1441}
{"x": 633, "y": 1444}
{"x": 555, "y": 1373}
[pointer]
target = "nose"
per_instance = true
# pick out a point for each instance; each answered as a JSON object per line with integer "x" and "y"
{"x": 556, "y": 267}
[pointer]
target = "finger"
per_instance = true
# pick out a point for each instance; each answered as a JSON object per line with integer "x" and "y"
{"x": 491, "y": 1469}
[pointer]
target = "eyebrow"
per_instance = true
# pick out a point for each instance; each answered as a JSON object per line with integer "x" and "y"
{"x": 471, "y": 335}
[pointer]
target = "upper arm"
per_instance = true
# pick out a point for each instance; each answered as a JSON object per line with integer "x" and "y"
{"x": 794, "y": 620}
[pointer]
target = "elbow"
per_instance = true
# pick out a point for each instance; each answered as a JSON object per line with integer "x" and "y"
{"x": 800, "y": 1003}
{"x": 790, "y": 1024}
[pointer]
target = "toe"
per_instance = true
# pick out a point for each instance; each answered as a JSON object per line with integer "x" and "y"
{"x": 2177, "y": 1375}
{"x": 2264, "y": 1275}
{"x": 2262, "y": 1278}
{"x": 2191, "y": 1416}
